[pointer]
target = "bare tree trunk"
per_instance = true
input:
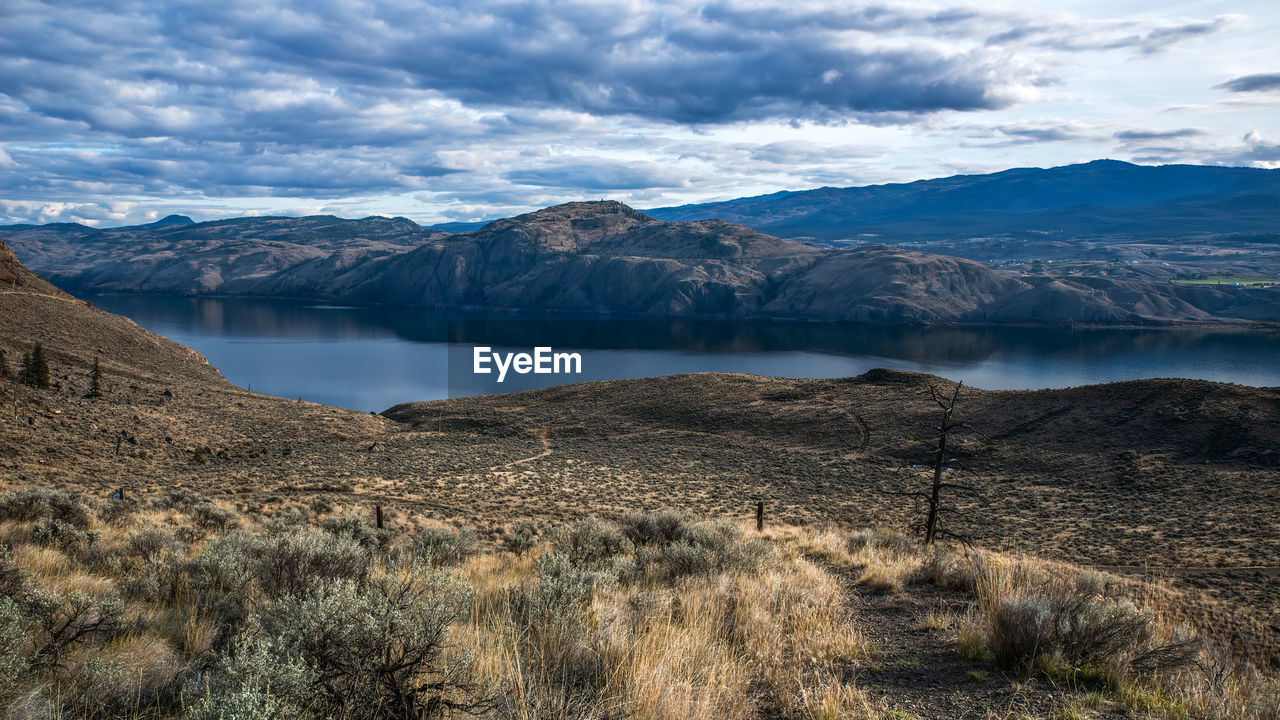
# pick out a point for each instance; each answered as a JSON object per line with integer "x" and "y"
{"x": 939, "y": 460}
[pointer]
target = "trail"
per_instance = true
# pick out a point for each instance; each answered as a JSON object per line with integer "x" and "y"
{"x": 915, "y": 671}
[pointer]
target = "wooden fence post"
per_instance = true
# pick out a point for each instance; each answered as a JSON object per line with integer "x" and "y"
{"x": 759, "y": 516}
{"x": 378, "y": 512}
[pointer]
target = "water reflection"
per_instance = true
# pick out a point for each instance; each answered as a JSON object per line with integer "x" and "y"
{"x": 370, "y": 358}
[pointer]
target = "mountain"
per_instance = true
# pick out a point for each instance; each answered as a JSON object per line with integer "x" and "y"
{"x": 604, "y": 257}
{"x": 230, "y": 257}
{"x": 1101, "y": 199}
{"x": 172, "y": 220}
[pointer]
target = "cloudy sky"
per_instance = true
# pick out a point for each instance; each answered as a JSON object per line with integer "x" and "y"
{"x": 118, "y": 111}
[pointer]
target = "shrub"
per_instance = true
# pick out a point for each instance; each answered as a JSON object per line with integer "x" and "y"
{"x": 1081, "y": 621}
{"x": 62, "y": 535}
{"x": 236, "y": 569}
{"x": 13, "y": 627}
{"x": 590, "y": 540}
{"x": 153, "y": 544}
{"x": 104, "y": 690}
{"x": 117, "y": 511}
{"x": 212, "y": 517}
{"x": 662, "y": 527}
{"x": 702, "y": 549}
{"x": 254, "y": 677}
{"x": 445, "y": 547}
{"x": 378, "y": 650}
{"x": 358, "y": 528}
{"x": 242, "y": 704}
{"x": 39, "y": 503}
{"x": 297, "y": 562}
{"x": 62, "y": 622}
{"x": 13, "y": 578}
{"x": 521, "y": 538}
{"x": 561, "y": 669}
{"x": 178, "y": 498}
{"x": 203, "y": 512}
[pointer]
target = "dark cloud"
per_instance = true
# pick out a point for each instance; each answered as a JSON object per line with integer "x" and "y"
{"x": 1252, "y": 83}
{"x": 282, "y": 61}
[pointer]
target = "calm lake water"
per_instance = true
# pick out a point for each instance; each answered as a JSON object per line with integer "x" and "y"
{"x": 373, "y": 358}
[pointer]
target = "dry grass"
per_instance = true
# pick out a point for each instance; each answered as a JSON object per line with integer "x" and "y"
{"x": 655, "y": 632}
{"x": 770, "y": 632}
{"x": 727, "y": 645}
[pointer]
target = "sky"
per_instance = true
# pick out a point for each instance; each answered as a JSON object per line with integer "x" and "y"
{"x": 122, "y": 112}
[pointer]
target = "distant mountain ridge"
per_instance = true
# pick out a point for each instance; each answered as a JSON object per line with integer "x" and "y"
{"x": 1096, "y": 199}
{"x": 601, "y": 257}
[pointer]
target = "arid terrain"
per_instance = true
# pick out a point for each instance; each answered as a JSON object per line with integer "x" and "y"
{"x": 1169, "y": 478}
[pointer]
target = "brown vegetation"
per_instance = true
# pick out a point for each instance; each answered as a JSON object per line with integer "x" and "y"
{"x": 172, "y": 606}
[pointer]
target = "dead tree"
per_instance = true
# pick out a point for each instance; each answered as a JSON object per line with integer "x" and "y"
{"x": 932, "y": 526}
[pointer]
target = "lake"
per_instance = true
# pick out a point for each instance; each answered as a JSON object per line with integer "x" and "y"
{"x": 372, "y": 358}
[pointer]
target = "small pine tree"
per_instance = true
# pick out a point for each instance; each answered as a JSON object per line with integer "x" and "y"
{"x": 95, "y": 379}
{"x": 35, "y": 368}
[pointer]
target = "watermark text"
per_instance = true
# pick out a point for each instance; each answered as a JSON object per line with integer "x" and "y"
{"x": 542, "y": 361}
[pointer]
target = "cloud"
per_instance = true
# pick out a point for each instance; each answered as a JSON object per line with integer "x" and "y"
{"x": 1147, "y": 135}
{"x": 1256, "y": 150}
{"x": 1004, "y": 135}
{"x": 1259, "y": 82}
{"x": 462, "y": 105}
{"x": 198, "y": 67}
{"x": 601, "y": 174}
{"x": 1252, "y": 150}
{"x": 1143, "y": 36}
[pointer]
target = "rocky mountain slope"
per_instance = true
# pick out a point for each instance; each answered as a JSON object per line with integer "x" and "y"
{"x": 604, "y": 257}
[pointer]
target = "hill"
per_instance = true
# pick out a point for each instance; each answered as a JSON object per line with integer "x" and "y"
{"x": 604, "y": 257}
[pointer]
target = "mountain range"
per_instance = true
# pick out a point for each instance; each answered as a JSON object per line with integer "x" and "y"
{"x": 1104, "y": 199}
{"x": 605, "y": 257}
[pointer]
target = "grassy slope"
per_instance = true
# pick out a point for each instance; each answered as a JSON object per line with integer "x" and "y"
{"x": 667, "y": 618}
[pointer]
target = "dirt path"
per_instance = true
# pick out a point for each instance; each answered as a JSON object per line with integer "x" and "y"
{"x": 915, "y": 670}
{"x": 543, "y": 434}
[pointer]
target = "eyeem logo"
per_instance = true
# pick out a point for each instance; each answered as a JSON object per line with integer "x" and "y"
{"x": 542, "y": 362}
